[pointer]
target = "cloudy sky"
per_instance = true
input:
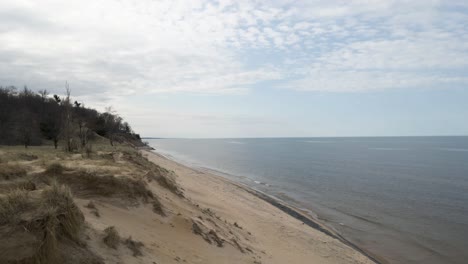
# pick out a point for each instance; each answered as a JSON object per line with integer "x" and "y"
{"x": 235, "y": 68}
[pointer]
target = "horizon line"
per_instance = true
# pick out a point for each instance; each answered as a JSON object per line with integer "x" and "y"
{"x": 284, "y": 137}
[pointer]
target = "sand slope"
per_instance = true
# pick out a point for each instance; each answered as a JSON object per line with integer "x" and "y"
{"x": 272, "y": 235}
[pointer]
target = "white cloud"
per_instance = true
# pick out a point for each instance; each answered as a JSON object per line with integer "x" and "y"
{"x": 145, "y": 46}
{"x": 124, "y": 47}
{"x": 358, "y": 81}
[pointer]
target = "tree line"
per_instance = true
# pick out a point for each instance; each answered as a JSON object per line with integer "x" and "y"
{"x": 31, "y": 118}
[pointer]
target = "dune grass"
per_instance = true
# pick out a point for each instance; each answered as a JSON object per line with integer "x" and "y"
{"x": 51, "y": 217}
{"x": 54, "y": 169}
{"x": 12, "y": 204}
{"x": 162, "y": 176}
{"x": 91, "y": 183}
{"x": 111, "y": 237}
{"x": 12, "y": 171}
{"x": 134, "y": 246}
{"x": 36, "y": 198}
{"x": 58, "y": 198}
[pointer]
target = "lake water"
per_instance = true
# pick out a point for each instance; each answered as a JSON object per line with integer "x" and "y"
{"x": 402, "y": 198}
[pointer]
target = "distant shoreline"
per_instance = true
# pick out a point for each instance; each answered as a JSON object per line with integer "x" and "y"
{"x": 283, "y": 206}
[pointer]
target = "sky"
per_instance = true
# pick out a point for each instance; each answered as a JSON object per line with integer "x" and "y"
{"x": 236, "y": 68}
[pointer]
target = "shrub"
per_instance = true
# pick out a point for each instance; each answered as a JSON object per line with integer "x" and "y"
{"x": 54, "y": 169}
{"x": 111, "y": 238}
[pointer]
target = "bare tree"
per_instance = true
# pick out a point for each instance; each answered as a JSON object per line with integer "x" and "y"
{"x": 67, "y": 119}
{"x": 112, "y": 124}
{"x": 82, "y": 125}
{"x": 43, "y": 94}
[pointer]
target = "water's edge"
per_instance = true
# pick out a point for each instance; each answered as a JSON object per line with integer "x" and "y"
{"x": 283, "y": 206}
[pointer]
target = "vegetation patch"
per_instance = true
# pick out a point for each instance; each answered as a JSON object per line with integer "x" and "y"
{"x": 157, "y": 173}
{"x": 91, "y": 205}
{"x": 27, "y": 156}
{"x": 13, "y": 204}
{"x": 33, "y": 118}
{"x": 93, "y": 209}
{"x": 111, "y": 237}
{"x": 164, "y": 178}
{"x": 157, "y": 207}
{"x": 10, "y": 171}
{"x": 169, "y": 183}
{"x": 206, "y": 233}
{"x": 134, "y": 246}
{"x": 42, "y": 227}
{"x": 22, "y": 184}
{"x": 90, "y": 183}
{"x": 54, "y": 169}
{"x": 58, "y": 199}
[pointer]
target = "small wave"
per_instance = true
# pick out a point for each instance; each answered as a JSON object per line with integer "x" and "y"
{"x": 318, "y": 141}
{"x": 235, "y": 142}
{"x": 262, "y": 183}
{"x": 389, "y": 149}
{"x": 454, "y": 149}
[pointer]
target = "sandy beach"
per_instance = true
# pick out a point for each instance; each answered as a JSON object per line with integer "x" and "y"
{"x": 273, "y": 235}
{"x": 138, "y": 207}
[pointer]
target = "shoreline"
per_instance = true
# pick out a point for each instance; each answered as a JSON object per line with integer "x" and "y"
{"x": 288, "y": 209}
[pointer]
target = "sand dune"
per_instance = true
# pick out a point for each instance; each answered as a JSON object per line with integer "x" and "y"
{"x": 138, "y": 212}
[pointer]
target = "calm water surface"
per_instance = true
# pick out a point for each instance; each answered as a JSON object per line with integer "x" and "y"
{"x": 403, "y": 198}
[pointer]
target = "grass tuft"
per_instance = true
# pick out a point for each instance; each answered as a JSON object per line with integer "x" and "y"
{"x": 12, "y": 204}
{"x": 48, "y": 249}
{"x": 59, "y": 198}
{"x": 88, "y": 183}
{"x": 51, "y": 217}
{"x": 91, "y": 205}
{"x": 157, "y": 207}
{"x": 164, "y": 179}
{"x": 54, "y": 169}
{"x": 134, "y": 246}
{"x": 10, "y": 172}
{"x": 169, "y": 184}
{"x": 111, "y": 238}
{"x": 93, "y": 209}
{"x": 27, "y": 156}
